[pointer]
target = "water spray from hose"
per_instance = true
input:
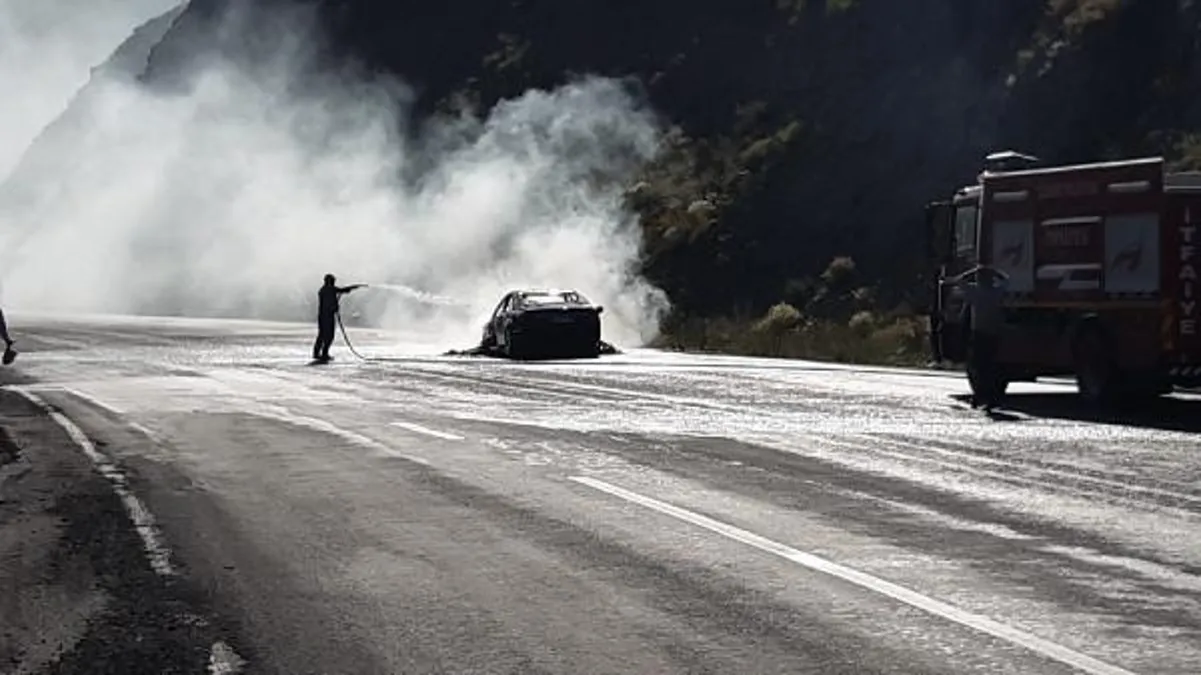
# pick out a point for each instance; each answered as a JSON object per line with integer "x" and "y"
{"x": 421, "y": 296}
{"x": 411, "y": 293}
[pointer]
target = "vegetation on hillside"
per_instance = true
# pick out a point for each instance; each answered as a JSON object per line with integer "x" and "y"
{"x": 830, "y": 317}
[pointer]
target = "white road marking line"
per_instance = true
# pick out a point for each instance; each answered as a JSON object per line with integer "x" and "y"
{"x": 1054, "y": 651}
{"x": 156, "y": 550}
{"x": 417, "y": 428}
{"x": 287, "y": 417}
{"x": 140, "y": 428}
{"x": 223, "y": 660}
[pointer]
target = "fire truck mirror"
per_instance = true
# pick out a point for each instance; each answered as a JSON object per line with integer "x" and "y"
{"x": 938, "y": 233}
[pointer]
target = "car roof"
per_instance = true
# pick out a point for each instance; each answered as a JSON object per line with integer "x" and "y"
{"x": 545, "y": 291}
{"x": 563, "y": 296}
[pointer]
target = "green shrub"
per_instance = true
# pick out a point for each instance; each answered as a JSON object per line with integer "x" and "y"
{"x": 862, "y": 323}
{"x": 784, "y": 332}
{"x": 782, "y": 317}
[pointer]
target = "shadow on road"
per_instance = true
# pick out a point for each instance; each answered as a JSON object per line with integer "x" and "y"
{"x": 1165, "y": 414}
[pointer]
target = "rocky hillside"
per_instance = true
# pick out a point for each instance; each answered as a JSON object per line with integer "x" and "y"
{"x": 805, "y": 129}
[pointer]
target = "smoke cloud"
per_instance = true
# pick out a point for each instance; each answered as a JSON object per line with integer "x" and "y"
{"x": 46, "y": 50}
{"x": 233, "y": 196}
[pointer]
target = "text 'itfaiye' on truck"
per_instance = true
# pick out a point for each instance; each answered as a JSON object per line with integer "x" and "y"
{"x": 1102, "y": 261}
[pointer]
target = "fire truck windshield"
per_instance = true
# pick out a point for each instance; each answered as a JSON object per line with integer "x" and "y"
{"x": 965, "y": 229}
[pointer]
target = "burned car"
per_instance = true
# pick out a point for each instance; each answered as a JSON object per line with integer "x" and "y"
{"x": 535, "y": 324}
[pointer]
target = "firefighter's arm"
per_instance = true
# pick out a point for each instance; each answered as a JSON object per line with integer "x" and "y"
{"x": 347, "y": 289}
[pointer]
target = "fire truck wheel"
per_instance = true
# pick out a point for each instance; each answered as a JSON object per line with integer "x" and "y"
{"x": 985, "y": 389}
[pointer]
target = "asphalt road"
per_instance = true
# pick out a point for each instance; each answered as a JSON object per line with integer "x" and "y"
{"x": 641, "y": 513}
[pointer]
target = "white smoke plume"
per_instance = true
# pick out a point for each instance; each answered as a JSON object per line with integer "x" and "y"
{"x": 235, "y": 196}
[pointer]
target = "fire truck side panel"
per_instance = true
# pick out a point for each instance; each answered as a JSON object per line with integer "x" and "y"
{"x": 1079, "y": 244}
{"x": 1180, "y": 326}
{"x": 1065, "y": 219}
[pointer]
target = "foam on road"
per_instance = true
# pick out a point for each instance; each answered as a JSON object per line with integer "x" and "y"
{"x": 1052, "y": 650}
{"x": 429, "y": 507}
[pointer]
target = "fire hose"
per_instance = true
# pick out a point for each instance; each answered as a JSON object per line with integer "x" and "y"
{"x": 350, "y": 345}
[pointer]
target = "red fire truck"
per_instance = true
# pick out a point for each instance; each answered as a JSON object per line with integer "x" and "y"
{"x": 1103, "y": 263}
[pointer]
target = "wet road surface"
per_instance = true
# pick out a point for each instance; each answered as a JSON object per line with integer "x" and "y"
{"x": 640, "y": 513}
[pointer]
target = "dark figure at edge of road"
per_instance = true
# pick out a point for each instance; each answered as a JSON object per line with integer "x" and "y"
{"x": 327, "y": 315}
{"x": 984, "y": 297}
{"x": 936, "y": 359}
{"x": 9, "y": 353}
{"x": 936, "y": 321}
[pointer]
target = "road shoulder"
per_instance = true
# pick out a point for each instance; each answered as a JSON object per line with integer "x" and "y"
{"x": 79, "y": 594}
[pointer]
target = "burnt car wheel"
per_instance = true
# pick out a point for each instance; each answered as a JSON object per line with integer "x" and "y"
{"x": 514, "y": 345}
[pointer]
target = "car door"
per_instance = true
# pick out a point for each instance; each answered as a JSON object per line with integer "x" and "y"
{"x": 962, "y": 256}
{"x": 490, "y": 325}
{"x": 504, "y": 315}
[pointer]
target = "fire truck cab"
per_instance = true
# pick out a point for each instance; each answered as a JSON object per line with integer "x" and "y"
{"x": 1102, "y": 262}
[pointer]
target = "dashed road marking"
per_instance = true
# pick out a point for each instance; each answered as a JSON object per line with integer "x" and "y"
{"x": 288, "y": 417}
{"x": 417, "y": 428}
{"x": 152, "y": 542}
{"x": 1057, "y": 652}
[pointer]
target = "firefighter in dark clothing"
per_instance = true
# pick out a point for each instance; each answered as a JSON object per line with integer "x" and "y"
{"x": 985, "y": 298}
{"x": 9, "y": 353}
{"x": 327, "y": 315}
{"x": 936, "y": 320}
